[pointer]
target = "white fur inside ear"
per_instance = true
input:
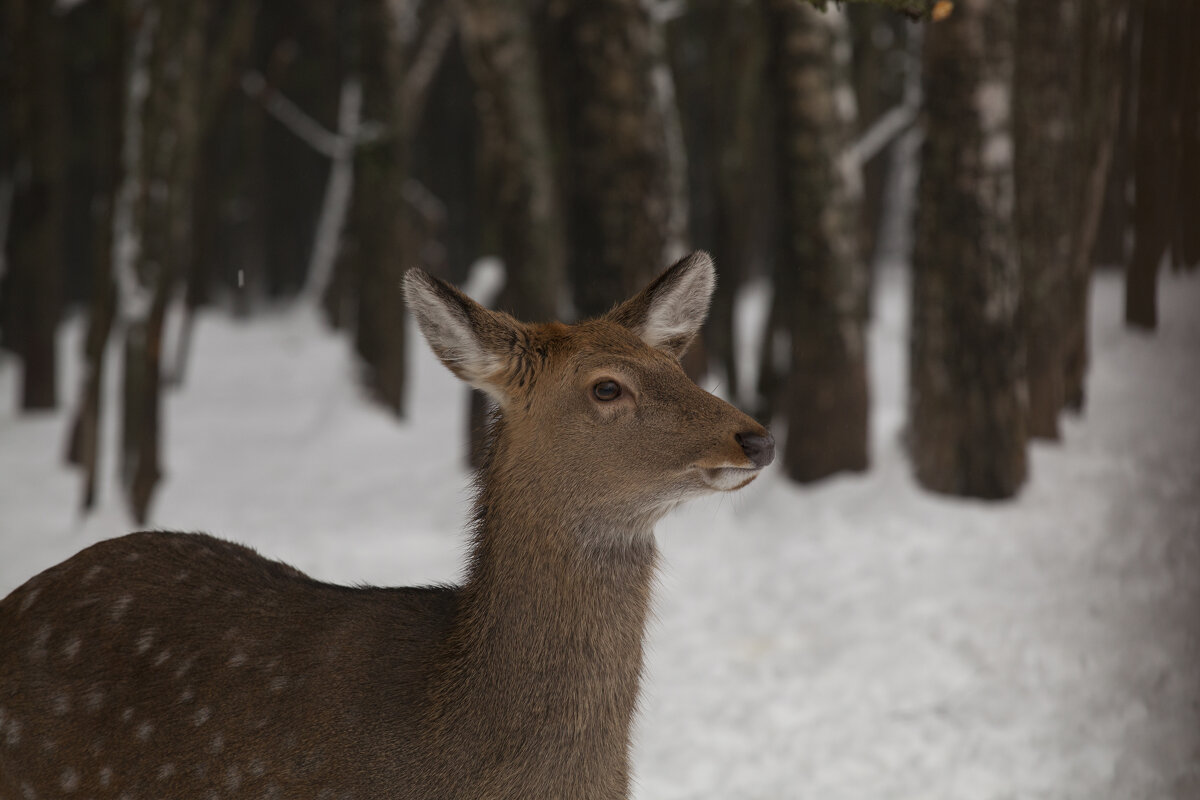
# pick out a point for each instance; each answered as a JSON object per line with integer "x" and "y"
{"x": 448, "y": 331}
{"x": 678, "y": 310}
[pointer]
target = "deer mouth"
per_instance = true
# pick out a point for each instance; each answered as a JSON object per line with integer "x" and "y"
{"x": 728, "y": 479}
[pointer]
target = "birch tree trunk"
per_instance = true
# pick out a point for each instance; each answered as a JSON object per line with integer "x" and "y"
{"x": 967, "y": 412}
{"x": 820, "y": 278}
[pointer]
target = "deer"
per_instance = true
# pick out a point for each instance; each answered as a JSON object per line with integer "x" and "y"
{"x": 180, "y": 665}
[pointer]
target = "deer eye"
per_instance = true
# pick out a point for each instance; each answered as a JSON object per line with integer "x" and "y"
{"x": 607, "y": 390}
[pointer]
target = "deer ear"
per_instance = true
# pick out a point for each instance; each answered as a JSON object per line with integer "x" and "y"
{"x": 468, "y": 338}
{"x": 668, "y": 313}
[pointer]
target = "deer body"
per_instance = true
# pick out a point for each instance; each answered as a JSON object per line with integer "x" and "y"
{"x": 180, "y": 665}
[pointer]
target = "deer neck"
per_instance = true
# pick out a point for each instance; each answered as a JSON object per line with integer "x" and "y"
{"x": 547, "y": 640}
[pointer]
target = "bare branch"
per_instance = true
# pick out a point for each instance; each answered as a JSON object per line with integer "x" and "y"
{"x": 425, "y": 65}
{"x": 311, "y": 132}
{"x": 338, "y": 190}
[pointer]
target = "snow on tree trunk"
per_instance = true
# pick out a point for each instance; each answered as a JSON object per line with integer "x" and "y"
{"x": 626, "y": 207}
{"x": 967, "y": 410}
{"x": 1045, "y": 147}
{"x": 154, "y": 215}
{"x": 820, "y": 279}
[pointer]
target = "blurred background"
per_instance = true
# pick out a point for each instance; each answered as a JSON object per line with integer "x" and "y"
{"x": 955, "y": 244}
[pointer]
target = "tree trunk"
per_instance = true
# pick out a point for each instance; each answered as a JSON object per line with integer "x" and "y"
{"x": 820, "y": 279}
{"x": 1165, "y": 92}
{"x": 626, "y": 204}
{"x": 159, "y": 157}
{"x": 967, "y": 410}
{"x": 1045, "y": 162}
{"x": 108, "y": 101}
{"x": 1101, "y": 40}
{"x": 378, "y": 226}
{"x": 39, "y": 128}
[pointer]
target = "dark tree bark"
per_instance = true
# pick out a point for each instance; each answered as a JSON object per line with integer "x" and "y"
{"x": 1045, "y": 150}
{"x": 1165, "y": 147}
{"x": 820, "y": 279}
{"x": 378, "y": 227}
{"x": 967, "y": 416}
{"x": 625, "y": 194}
{"x": 107, "y": 29}
{"x": 39, "y": 137}
{"x": 1101, "y": 42}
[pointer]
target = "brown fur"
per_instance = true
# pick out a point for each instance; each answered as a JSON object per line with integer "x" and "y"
{"x": 180, "y": 665}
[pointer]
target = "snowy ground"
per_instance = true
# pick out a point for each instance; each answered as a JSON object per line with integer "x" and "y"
{"x": 859, "y": 639}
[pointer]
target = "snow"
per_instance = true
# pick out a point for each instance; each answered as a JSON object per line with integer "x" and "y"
{"x": 856, "y": 639}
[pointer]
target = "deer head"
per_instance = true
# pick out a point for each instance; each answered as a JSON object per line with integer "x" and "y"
{"x": 599, "y": 414}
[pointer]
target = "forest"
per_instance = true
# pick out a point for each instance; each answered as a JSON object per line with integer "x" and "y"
{"x": 158, "y": 159}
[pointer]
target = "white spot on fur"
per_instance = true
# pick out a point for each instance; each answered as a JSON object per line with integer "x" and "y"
{"x": 278, "y": 683}
{"x": 120, "y": 607}
{"x": 187, "y": 695}
{"x": 106, "y": 775}
{"x": 94, "y": 699}
{"x": 40, "y": 641}
{"x": 233, "y": 778}
{"x": 257, "y": 767}
{"x": 127, "y": 714}
{"x": 134, "y": 556}
{"x": 217, "y": 744}
{"x": 166, "y": 771}
{"x": 71, "y": 648}
{"x": 27, "y": 792}
{"x": 69, "y": 780}
{"x": 182, "y": 669}
{"x": 91, "y": 574}
{"x": 61, "y": 704}
{"x": 145, "y": 640}
{"x": 144, "y": 729}
{"x": 237, "y": 659}
{"x": 162, "y": 658}
{"x": 202, "y": 715}
{"x": 29, "y": 599}
{"x": 12, "y": 735}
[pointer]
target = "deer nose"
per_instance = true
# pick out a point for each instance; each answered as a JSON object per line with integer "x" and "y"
{"x": 759, "y": 449}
